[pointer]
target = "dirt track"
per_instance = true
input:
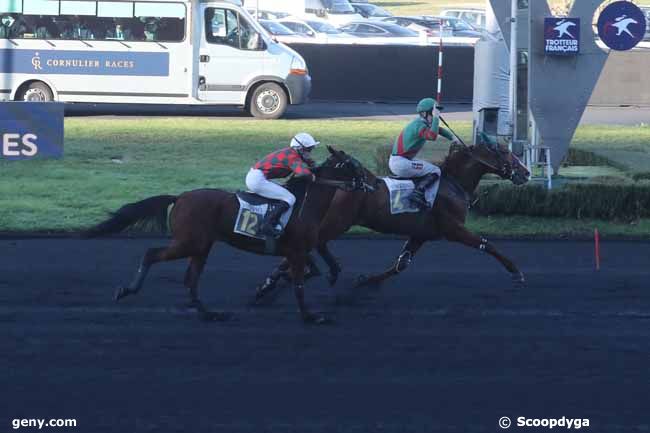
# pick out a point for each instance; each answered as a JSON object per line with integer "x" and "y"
{"x": 449, "y": 346}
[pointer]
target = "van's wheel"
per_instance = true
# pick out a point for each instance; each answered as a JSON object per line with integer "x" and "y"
{"x": 268, "y": 101}
{"x": 36, "y": 91}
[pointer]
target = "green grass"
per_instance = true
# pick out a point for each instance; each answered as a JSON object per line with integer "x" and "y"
{"x": 533, "y": 227}
{"x": 109, "y": 162}
{"x": 627, "y": 148}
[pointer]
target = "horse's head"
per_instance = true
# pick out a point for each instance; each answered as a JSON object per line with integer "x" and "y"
{"x": 501, "y": 161}
{"x": 340, "y": 166}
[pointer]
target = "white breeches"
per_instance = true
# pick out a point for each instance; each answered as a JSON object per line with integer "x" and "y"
{"x": 411, "y": 168}
{"x": 256, "y": 182}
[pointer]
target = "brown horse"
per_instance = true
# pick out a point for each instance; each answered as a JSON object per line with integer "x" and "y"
{"x": 462, "y": 171}
{"x": 201, "y": 217}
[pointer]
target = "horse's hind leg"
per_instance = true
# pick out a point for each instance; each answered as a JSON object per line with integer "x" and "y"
{"x": 403, "y": 261}
{"x": 192, "y": 275}
{"x": 152, "y": 256}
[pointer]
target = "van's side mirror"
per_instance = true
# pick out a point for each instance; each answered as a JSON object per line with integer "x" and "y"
{"x": 311, "y": 33}
{"x": 322, "y": 13}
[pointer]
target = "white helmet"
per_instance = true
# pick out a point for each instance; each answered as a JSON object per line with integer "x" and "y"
{"x": 303, "y": 141}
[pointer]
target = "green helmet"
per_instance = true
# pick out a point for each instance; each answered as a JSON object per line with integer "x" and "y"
{"x": 426, "y": 105}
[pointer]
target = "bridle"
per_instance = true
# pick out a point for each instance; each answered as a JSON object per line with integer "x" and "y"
{"x": 505, "y": 169}
{"x": 357, "y": 183}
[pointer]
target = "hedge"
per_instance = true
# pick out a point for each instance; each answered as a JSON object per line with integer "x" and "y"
{"x": 624, "y": 201}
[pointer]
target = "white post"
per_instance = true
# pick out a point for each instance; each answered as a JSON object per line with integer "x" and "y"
{"x": 513, "y": 71}
{"x": 257, "y": 10}
{"x": 439, "y": 89}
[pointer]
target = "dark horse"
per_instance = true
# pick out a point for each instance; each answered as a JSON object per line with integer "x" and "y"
{"x": 201, "y": 217}
{"x": 462, "y": 171}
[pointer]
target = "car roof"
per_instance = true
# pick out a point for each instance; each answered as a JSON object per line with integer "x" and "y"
{"x": 303, "y": 20}
{"x": 373, "y": 23}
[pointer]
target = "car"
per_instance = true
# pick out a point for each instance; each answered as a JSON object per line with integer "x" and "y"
{"x": 381, "y": 29}
{"x": 371, "y": 11}
{"x": 267, "y": 15}
{"x": 320, "y": 30}
{"x": 473, "y": 16}
{"x": 430, "y": 25}
{"x": 282, "y": 33}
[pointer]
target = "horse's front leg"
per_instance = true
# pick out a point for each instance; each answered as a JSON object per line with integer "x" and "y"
{"x": 461, "y": 235}
{"x": 282, "y": 271}
{"x": 403, "y": 261}
{"x": 332, "y": 263}
{"x": 297, "y": 263}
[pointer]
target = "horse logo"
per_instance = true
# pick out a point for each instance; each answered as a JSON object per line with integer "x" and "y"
{"x": 562, "y": 28}
{"x": 622, "y": 23}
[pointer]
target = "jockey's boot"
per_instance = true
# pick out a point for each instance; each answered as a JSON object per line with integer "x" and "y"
{"x": 269, "y": 226}
{"x": 417, "y": 196}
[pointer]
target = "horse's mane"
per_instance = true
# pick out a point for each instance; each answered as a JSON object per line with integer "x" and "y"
{"x": 455, "y": 157}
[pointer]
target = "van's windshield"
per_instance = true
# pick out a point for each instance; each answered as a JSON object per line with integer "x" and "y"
{"x": 338, "y": 6}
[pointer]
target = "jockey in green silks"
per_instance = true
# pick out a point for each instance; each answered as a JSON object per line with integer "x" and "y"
{"x": 410, "y": 141}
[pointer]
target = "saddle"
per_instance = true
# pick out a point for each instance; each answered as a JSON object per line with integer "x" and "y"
{"x": 412, "y": 179}
{"x": 253, "y": 211}
{"x": 256, "y": 199}
{"x": 399, "y": 191}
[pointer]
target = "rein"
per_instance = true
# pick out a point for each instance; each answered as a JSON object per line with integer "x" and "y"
{"x": 482, "y": 161}
{"x": 335, "y": 183}
{"x": 475, "y": 158}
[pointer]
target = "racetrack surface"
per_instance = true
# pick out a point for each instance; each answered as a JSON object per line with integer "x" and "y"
{"x": 448, "y": 346}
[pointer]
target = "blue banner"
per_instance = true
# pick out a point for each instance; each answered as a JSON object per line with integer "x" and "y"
{"x": 562, "y": 36}
{"x": 84, "y": 62}
{"x": 621, "y": 25}
{"x": 31, "y": 130}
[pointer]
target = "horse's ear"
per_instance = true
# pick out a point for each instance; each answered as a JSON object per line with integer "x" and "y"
{"x": 335, "y": 153}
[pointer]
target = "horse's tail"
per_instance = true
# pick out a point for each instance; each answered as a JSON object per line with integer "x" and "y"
{"x": 148, "y": 215}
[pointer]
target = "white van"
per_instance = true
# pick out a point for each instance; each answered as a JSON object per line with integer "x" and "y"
{"x": 145, "y": 51}
{"x": 338, "y": 12}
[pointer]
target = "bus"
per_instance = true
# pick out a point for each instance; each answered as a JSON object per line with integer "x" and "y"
{"x": 146, "y": 52}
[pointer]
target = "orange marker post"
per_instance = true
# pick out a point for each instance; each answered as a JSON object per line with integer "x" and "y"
{"x": 597, "y": 248}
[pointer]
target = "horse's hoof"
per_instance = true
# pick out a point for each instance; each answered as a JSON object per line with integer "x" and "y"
{"x": 268, "y": 285}
{"x": 316, "y": 319}
{"x": 519, "y": 280}
{"x": 121, "y": 292}
{"x": 215, "y": 316}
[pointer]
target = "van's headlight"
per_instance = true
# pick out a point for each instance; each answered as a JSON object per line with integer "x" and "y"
{"x": 298, "y": 66}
